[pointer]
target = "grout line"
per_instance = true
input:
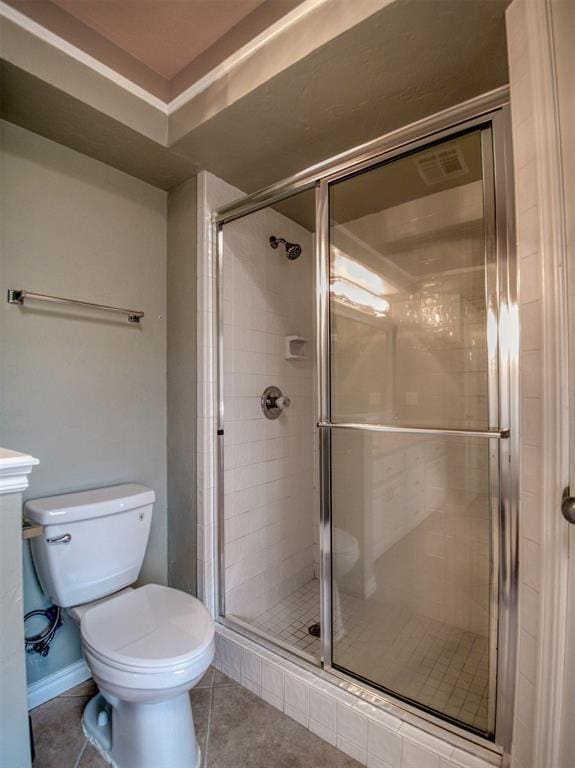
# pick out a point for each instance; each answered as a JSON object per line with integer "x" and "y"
{"x": 205, "y": 765}
{"x": 84, "y": 746}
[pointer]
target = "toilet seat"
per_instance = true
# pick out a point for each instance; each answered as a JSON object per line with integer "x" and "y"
{"x": 153, "y": 630}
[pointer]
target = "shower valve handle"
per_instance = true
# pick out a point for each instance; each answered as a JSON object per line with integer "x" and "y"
{"x": 274, "y": 402}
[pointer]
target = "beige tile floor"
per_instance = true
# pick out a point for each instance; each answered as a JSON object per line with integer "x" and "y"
{"x": 235, "y": 729}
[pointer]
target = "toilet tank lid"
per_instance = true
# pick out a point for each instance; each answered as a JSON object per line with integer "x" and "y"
{"x": 73, "y": 507}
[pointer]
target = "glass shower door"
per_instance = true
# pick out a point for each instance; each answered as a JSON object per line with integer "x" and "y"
{"x": 413, "y": 420}
{"x": 268, "y": 523}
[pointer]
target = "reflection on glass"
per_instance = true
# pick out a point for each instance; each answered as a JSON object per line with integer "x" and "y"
{"x": 356, "y": 297}
{"x": 354, "y": 285}
{"x": 411, "y": 514}
{"x": 408, "y": 291}
{"x": 411, "y": 569}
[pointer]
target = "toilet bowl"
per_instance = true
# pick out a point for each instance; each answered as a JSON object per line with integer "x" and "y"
{"x": 146, "y": 647}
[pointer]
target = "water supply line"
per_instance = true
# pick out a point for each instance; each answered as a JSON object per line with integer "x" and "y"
{"x": 40, "y": 643}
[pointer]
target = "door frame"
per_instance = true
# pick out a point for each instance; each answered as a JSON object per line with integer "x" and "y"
{"x": 558, "y": 394}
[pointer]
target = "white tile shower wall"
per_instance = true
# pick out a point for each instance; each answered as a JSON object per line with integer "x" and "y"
{"x": 376, "y": 733}
{"x": 270, "y": 535}
{"x": 268, "y": 479}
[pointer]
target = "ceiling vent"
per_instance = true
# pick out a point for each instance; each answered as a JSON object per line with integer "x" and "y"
{"x": 442, "y": 164}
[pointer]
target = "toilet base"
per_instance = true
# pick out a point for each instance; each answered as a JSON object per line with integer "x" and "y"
{"x": 137, "y": 735}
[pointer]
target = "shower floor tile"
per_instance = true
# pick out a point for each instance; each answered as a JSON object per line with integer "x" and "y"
{"x": 433, "y": 663}
{"x": 290, "y": 619}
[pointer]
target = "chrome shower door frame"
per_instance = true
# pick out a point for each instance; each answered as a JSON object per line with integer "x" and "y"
{"x": 490, "y": 112}
{"x": 503, "y": 422}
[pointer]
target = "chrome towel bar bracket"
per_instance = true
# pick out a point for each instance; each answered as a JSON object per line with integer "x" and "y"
{"x": 19, "y": 296}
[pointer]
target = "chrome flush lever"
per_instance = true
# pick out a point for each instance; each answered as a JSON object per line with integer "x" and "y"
{"x": 65, "y": 538}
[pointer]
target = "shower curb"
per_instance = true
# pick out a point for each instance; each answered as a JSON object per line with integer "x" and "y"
{"x": 374, "y": 732}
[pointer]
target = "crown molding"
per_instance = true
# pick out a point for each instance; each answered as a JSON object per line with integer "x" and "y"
{"x": 338, "y": 22}
{"x": 243, "y": 53}
{"x": 166, "y": 108}
{"x": 40, "y": 32}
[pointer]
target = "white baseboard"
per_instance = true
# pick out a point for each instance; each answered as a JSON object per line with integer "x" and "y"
{"x": 59, "y": 682}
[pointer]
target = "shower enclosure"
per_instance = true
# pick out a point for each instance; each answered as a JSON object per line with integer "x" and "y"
{"x": 367, "y": 433}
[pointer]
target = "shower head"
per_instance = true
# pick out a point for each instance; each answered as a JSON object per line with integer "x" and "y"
{"x": 293, "y": 250}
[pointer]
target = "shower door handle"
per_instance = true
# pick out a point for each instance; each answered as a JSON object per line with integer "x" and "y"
{"x": 491, "y": 434}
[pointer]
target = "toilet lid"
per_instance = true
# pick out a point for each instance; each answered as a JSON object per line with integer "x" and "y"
{"x": 150, "y": 628}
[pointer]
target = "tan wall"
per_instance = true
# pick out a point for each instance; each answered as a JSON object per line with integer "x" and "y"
{"x": 182, "y": 385}
{"x": 83, "y": 391}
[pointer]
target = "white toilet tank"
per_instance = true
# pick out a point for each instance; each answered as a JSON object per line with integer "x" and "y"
{"x": 93, "y": 542}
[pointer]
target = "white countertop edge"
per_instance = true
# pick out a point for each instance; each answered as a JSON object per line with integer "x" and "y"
{"x": 14, "y": 468}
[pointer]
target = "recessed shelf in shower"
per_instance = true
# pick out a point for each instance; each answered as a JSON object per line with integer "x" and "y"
{"x": 295, "y": 348}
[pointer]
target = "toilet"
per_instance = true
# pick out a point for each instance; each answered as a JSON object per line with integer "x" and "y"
{"x": 146, "y": 647}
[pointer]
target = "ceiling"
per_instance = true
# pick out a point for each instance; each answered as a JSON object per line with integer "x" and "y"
{"x": 400, "y": 181}
{"x": 164, "y": 35}
{"x": 408, "y": 60}
{"x": 162, "y": 45}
